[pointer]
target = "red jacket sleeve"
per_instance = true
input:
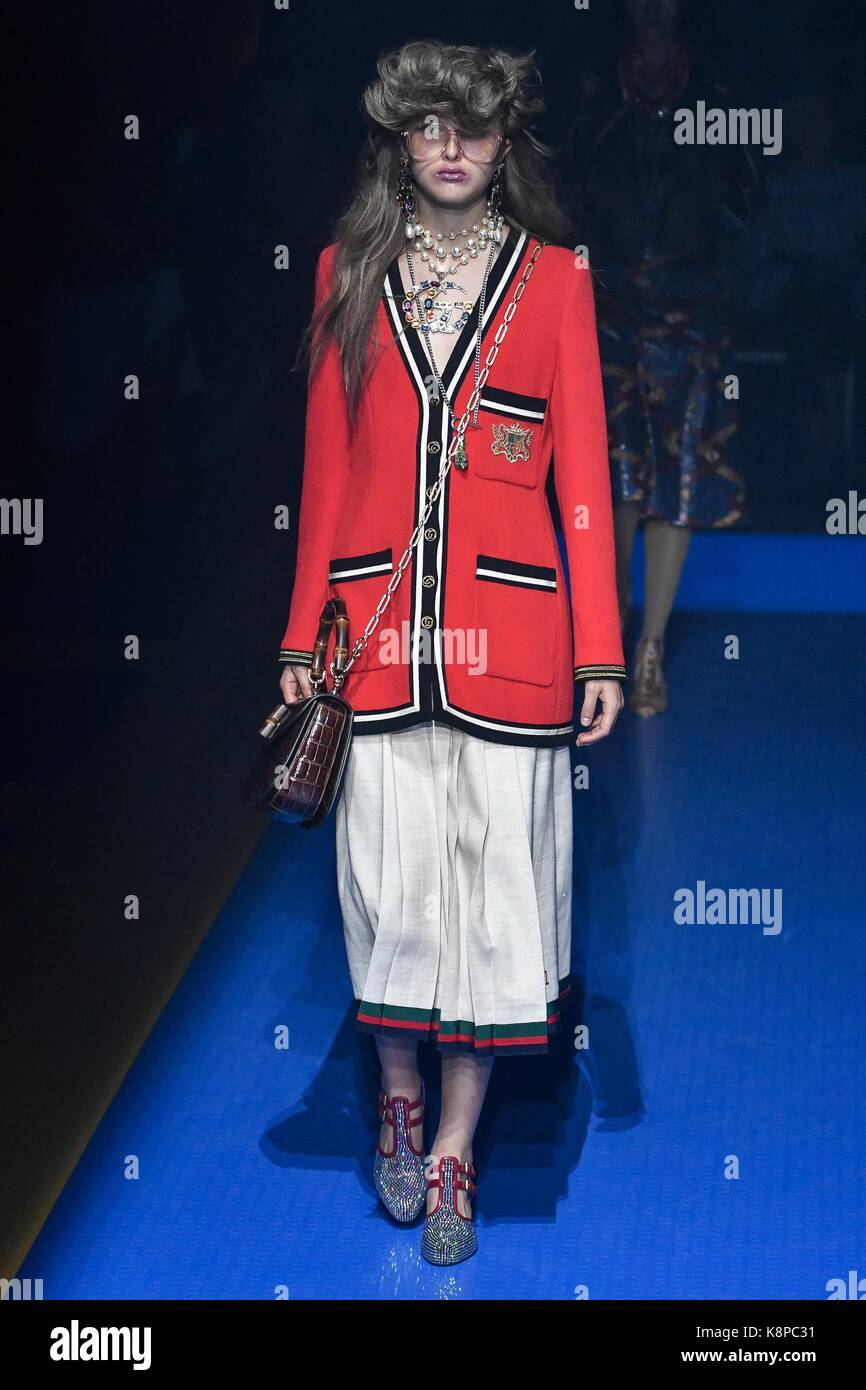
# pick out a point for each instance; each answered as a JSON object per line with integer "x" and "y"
{"x": 326, "y": 459}
{"x": 582, "y": 482}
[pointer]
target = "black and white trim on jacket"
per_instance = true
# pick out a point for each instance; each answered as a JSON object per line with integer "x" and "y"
{"x": 428, "y": 696}
{"x": 350, "y": 567}
{"x": 522, "y": 407}
{"x": 515, "y": 573}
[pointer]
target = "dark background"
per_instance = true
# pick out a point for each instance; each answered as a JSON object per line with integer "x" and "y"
{"x": 155, "y": 257}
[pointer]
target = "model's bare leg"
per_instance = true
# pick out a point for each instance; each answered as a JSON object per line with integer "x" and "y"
{"x": 665, "y": 547}
{"x": 626, "y": 516}
{"x": 464, "y": 1086}
{"x": 665, "y": 550}
{"x": 398, "y": 1058}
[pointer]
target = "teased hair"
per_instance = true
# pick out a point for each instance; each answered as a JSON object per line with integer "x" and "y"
{"x": 474, "y": 87}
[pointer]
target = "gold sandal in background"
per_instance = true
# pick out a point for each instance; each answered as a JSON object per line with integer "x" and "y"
{"x": 648, "y": 695}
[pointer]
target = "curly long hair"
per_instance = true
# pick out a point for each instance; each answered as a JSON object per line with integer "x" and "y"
{"x": 473, "y": 87}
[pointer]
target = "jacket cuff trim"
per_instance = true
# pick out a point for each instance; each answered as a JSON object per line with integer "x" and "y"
{"x": 292, "y": 657}
{"x": 599, "y": 673}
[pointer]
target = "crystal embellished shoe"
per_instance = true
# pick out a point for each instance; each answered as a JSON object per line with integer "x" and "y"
{"x": 398, "y": 1173}
{"x": 649, "y": 692}
{"x": 448, "y": 1236}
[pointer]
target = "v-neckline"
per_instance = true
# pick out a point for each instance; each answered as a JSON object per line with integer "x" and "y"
{"x": 509, "y": 252}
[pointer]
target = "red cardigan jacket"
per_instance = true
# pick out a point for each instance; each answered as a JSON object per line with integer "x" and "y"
{"x": 482, "y": 632}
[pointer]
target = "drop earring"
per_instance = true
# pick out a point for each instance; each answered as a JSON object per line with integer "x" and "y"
{"x": 406, "y": 191}
{"x": 495, "y": 195}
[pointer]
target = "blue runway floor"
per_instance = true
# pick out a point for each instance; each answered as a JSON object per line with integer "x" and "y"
{"x": 712, "y": 1046}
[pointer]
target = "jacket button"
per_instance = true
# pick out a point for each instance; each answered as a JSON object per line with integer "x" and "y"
{"x": 426, "y": 622}
{"x": 430, "y": 534}
{"x": 433, "y": 447}
{"x": 428, "y": 581}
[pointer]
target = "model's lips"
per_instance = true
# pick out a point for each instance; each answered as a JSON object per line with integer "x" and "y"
{"x": 452, "y": 175}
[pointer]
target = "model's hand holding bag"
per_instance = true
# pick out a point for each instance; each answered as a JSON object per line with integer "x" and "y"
{"x": 299, "y": 774}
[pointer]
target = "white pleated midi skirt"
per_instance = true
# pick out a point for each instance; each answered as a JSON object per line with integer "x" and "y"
{"x": 454, "y": 868}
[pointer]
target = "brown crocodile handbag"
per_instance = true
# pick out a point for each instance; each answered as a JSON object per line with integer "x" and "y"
{"x": 298, "y": 776}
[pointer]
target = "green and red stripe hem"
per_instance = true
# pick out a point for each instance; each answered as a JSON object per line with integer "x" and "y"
{"x": 462, "y": 1035}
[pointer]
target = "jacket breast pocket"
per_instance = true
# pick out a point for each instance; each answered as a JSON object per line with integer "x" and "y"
{"x": 509, "y": 444}
{"x": 361, "y": 580}
{"x": 518, "y": 608}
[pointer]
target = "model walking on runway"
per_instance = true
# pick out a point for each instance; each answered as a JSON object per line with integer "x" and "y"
{"x": 454, "y": 825}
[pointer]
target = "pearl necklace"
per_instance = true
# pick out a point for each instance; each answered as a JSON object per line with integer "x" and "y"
{"x": 478, "y": 238}
{"x": 461, "y": 460}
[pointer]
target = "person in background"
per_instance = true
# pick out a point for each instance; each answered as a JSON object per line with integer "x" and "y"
{"x": 665, "y": 225}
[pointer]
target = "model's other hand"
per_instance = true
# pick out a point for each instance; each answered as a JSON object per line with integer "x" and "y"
{"x": 294, "y": 684}
{"x": 598, "y": 725}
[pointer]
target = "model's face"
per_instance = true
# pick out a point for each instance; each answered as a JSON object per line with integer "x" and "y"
{"x": 654, "y": 16}
{"x": 450, "y": 169}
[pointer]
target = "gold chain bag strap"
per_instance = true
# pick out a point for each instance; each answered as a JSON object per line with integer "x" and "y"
{"x": 299, "y": 774}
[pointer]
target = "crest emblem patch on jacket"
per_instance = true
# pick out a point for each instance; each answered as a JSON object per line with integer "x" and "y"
{"x": 513, "y": 441}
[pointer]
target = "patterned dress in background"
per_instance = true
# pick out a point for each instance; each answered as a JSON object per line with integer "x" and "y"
{"x": 666, "y": 228}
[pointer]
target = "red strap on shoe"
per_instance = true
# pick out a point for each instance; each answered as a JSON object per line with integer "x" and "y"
{"x": 461, "y": 1178}
{"x": 384, "y": 1098}
{"x": 386, "y": 1102}
{"x": 411, "y": 1121}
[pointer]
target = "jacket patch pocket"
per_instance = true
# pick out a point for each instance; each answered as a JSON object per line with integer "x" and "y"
{"x": 345, "y": 575}
{"x": 518, "y": 608}
{"x": 346, "y": 568}
{"x": 514, "y": 573}
{"x": 510, "y": 442}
